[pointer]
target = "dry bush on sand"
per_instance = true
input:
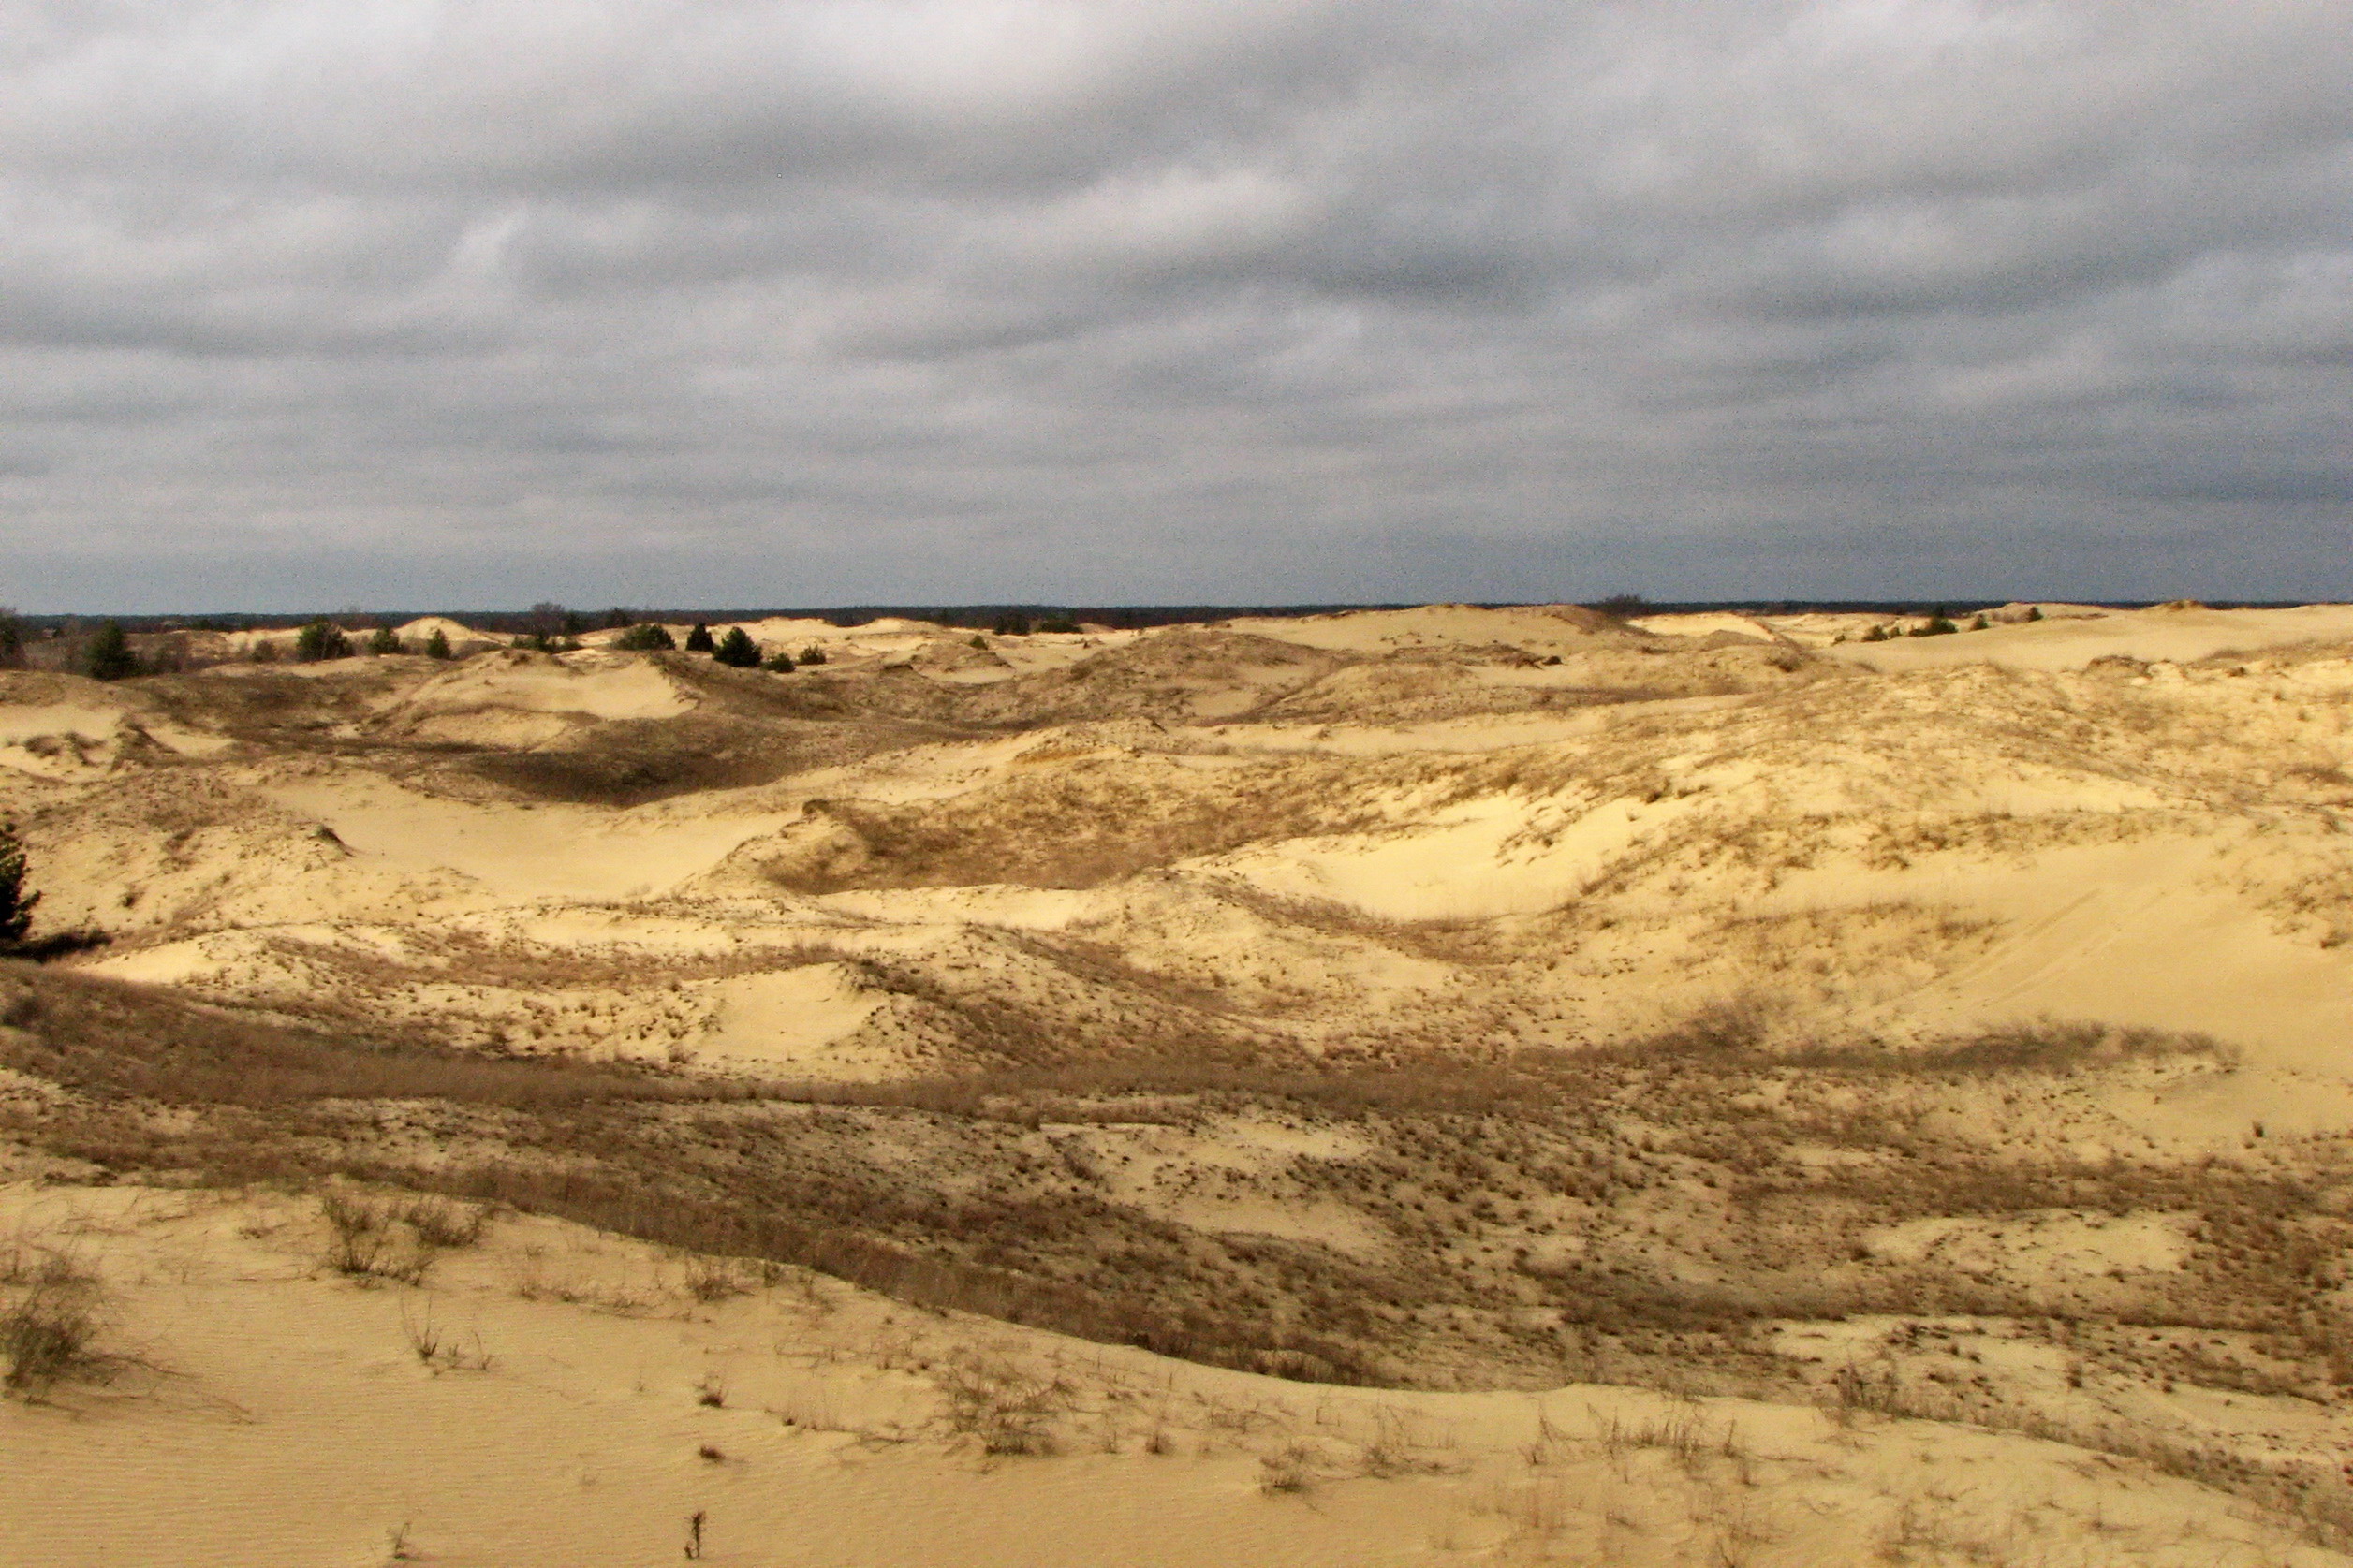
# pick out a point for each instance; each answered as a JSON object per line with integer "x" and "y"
{"x": 394, "y": 1238}
{"x": 51, "y": 1311}
{"x": 1003, "y": 1409}
{"x": 1288, "y": 1471}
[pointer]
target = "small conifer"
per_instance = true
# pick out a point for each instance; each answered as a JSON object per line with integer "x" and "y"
{"x": 437, "y": 645}
{"x": 737, "y": 650}
{"x": 110, "y": 656}
{"x": 699, "y": 640}
{"x": 16, "y": 904}
{"x": 321, "y": 639}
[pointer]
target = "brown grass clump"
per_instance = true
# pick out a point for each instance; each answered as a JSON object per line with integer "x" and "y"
{"x": 394, "y": 1238}
{"x": 1289, "y": 1472}
{"x": 1006, "y": 1410}
{"x": 50, "y": 1320}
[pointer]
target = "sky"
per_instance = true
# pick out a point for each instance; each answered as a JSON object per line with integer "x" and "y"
{"x": 389, "y": 304}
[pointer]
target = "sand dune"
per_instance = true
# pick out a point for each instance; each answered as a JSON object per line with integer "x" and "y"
{"x": 1475, "y": 1002}
{"x": 2159, "y": 635}
{"x": 552, "y": 1396}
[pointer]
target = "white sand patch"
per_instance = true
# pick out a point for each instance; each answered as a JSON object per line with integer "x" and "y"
{"x": 1537, "y": 629}
{"x": 19, "y": 724}
{"x": 415, "y": 634}
{"x": 600, "y": 685}
{"x": 1709, "y": 623}
{"x": 523, "y": 851}
{"x": 1495, "y": 855}
{"x": 2135, "y": 933}
{"x": 786, "y": 1024}
{"x": 1041, "y": 651}
{"x": 60, "y": 742}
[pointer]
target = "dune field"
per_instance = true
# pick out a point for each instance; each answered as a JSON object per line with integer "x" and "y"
{"x": 1430, "y": 1085}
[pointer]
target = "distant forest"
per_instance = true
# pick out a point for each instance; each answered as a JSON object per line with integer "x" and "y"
{"x": 982, "y": 617}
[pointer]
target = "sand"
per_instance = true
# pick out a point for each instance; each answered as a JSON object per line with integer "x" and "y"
{"x": 2170, "y": 636}
{"x": 1403, "y": 832}
{"x": 554, "y": 1397}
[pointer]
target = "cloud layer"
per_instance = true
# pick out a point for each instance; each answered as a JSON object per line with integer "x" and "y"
{"x": 308, "y": 302}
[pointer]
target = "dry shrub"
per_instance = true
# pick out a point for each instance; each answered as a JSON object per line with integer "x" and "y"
{"x": 50, "y": 1319}
{"x": 440, "y": 1349}
{"x": 712, "y": 1280}
{"x": 392, "y": 1239}
{"x": 1288, "y": 1471}
{"x": 1004, "y": 1410}
{"x": 441, "y": 1224}
{"x": 1397, "y": 1449}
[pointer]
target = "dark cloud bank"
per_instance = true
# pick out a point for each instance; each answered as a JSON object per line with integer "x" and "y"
{"x": 471, "y": 303}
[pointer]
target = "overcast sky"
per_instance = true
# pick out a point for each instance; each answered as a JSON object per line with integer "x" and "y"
{"x": 314, "y": 302}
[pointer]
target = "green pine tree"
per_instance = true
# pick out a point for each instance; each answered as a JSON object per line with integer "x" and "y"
{"x": 737, "y": 650}
{"x": 386, "y": 640}
{"x": 321, "y": 639}
{"x": 813, "y": 654}
{"x": 648, "y": 639}
{"x": 110, "y": 656}
{"x": 437, "y": 645}
{"x": 16, "y": 904}
{"x": 699, "y": 641}
{"x": 778, "y": 663}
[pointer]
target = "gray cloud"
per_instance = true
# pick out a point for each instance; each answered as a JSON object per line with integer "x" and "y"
{"x": 307, "y": 302}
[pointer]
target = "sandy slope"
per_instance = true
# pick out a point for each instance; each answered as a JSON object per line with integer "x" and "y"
{"x": 588, "y": 1398}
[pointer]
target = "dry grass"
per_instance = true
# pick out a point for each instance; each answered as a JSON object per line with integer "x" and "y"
{"x": 1002, "y": 1409}
{"x": 1077, "y": 828}
{"x": 1289, "y": 1472}
{"x": 111, "y": 1040}
{"x": 51, "y": 1311}
{"x": 1628, "y": 1214}
{"x": 440, "y": 1349}
{"x": 394, "y": 1238}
